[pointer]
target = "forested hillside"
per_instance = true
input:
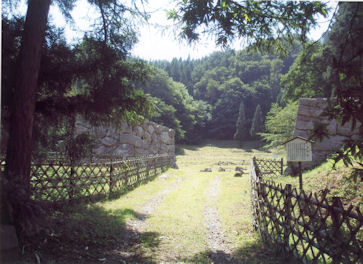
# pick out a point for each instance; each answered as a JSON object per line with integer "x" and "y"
{"x": 204, "y": 98}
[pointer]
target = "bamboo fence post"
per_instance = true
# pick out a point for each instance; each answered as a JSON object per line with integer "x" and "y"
{"x": 111, "y": 176}
{"x": 336, "y": 235}
{"x": 148, "y": 169}
{"x": 71, "y": 184}
{"x": 287, "y": 211}
{"x": 138, "y": 174}
{"x": 126, "y": 175}
{"x": 282, "y": 166}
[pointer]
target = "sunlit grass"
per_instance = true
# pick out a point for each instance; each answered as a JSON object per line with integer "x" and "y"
{"x": 179, "y": 219}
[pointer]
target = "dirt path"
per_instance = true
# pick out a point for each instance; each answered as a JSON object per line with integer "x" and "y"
{"x": 130, "y": 248}
{"x": 149, "y": 207}
{"x": 219, "y": 247}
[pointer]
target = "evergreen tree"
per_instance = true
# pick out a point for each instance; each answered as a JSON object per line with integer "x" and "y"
{"x": 241, "y": 125}
{"x": 257, "y": 122}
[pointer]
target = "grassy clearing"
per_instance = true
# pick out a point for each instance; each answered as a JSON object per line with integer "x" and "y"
{"x": 209, "y": 153}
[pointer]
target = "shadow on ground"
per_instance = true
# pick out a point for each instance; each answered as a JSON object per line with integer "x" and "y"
{"x": 253, "y": 253}
{"x": 89, "y": 234}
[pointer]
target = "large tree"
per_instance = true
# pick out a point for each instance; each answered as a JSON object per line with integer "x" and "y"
{"x": 18, "y": 155}
{"x": 102, "y": 71}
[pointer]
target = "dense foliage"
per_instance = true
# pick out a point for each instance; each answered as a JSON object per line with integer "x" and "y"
{"x": 175, "y": 107}
{"x": 305, "y": 78}
{"x": 221, "y": 81}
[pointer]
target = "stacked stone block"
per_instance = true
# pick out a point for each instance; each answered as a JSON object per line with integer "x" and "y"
{"x": 146, "y": 138}
{"x": 311, "y": 113}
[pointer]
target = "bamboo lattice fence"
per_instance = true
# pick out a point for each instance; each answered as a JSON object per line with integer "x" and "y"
{"x": 56, "y": 180}
{"x": 314, "y": 229}
{"x": 269, "y": 166}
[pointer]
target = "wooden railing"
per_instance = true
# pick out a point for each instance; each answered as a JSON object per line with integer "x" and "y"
{"x": 313, "y": 228}
{"x": 59, "y": 181}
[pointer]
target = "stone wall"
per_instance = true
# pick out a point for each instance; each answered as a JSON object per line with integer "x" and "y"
{"x": 143, "y": 139}
{"x": 309, "y": 114}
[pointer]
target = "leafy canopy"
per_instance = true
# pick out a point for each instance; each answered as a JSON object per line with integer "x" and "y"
{"x": 265, "y": 24}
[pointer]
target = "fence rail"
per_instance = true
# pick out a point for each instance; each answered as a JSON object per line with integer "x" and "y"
{"x": 59, "y": 181}
{"x": 314, "y": 229}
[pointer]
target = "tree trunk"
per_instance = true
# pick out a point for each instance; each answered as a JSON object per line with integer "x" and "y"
{"x": 18, "y": 156}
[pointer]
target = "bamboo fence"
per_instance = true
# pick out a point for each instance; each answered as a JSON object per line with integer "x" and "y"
{"x": 57, "y": 180}
{"x": 269, "y": 166}
{"x": 313, "y": 229}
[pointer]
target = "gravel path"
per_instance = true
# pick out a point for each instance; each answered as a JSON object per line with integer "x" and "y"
{"x": 219, "y": 248}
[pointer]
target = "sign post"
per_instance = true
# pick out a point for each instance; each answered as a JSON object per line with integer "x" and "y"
{"x": 299, "y": 150}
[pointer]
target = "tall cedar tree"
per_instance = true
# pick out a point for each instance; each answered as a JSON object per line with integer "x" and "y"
{"x": 257, "y": 122}
{"x": 241, "y": 124}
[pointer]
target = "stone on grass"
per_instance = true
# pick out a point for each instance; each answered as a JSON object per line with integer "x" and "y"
{"x": 206, "y": 170}
{"x": 238, "y": 174}
{"x": 239, "y": 169}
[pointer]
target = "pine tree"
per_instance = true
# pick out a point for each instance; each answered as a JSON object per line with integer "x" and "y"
{"x": 241, "y": 124}
{"x": 257, "y": 122}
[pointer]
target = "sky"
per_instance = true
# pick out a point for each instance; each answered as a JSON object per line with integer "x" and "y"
{"x": 158, "y": 39}
{"x": 157, "y": 44}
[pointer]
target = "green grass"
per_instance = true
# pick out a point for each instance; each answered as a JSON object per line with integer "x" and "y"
{"x": 341, "y": 181}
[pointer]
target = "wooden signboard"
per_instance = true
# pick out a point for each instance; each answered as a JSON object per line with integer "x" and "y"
{"x": 299, "y": 150}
